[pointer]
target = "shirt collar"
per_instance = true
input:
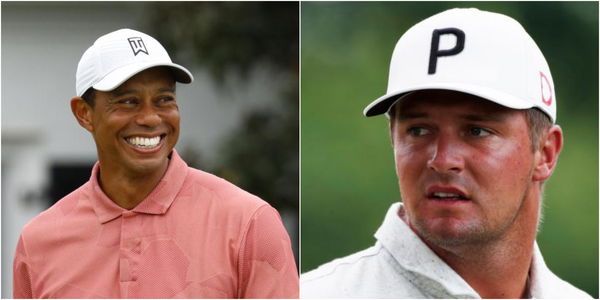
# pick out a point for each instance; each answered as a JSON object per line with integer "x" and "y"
{"x": 157, "y": 202}
{"x": 542, "y": 282}
{"x": 433, "y": 274}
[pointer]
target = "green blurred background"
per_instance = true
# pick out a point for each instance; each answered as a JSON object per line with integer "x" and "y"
{"x": 348, "y": 179}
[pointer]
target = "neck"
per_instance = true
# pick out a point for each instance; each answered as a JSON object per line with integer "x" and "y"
{"x": 128, "y": 189}
{"x": 498, "y": 268}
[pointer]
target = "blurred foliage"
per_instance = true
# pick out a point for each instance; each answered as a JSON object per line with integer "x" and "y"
{"x": 348, "y": 179}
{"x": 233, "y": 38}
{"x": 224, "y": 35}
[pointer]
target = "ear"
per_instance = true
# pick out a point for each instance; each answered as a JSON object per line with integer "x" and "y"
{"x": 547, "y": 154}
{"x": 82, "y": 112}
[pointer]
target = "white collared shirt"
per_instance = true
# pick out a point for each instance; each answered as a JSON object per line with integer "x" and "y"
{"x": 400, "y": 265}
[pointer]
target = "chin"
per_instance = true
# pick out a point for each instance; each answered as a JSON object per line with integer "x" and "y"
{"x": 146, "y": 166}
{"x": 149, "y": 164}
{"x": 450, "y": 232}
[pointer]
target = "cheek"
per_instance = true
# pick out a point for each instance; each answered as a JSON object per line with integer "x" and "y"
{"x": 506, "y": 170}
{"x": 410, "y": 156}
{"x": 410, "y": 164}
{"x": 106, "y": 126}
{"x": 172, "y": 117}
{"x": 406, "y": 163}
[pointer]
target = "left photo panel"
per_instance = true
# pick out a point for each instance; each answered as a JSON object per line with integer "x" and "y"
{"x": 150, "y": 150}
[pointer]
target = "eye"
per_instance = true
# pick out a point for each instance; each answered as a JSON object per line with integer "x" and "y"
{"x": 479, "y": 132}
{"x": 127, "y": 101}
{"x": 166, "y": 99}
{"x": 417, "y": 131}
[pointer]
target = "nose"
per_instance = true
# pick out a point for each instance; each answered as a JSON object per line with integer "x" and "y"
{"x": 446, "y": 155}
{"x": 148, "y": 116}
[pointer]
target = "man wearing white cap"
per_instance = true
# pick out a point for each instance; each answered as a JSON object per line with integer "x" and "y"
{"x": 472, "y": 114}
{"x": 146, "y": 225}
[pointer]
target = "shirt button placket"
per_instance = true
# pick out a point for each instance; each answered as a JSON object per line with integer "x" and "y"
{"x": 130, "y": 251}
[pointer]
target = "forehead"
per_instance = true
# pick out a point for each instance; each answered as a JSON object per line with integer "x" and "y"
{"x": 160, "y": 76}
{"x": 432, "y": 102}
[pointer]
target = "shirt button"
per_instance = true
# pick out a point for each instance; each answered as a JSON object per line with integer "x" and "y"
{"x": 128, "y": 214}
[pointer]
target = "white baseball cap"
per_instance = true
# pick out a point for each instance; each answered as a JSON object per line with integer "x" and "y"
{"x": 485, "y": 54}
{"x": 118, "y": 56}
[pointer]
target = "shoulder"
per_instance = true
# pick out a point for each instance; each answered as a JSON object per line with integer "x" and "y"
{"x": 343, "y": 276}
{"x": 222, "y": 190}
{"x": 371, "y": 273}
{"x": 213, "y": 198}
{"x": 339, "y": 267}
{"x": 46, "y": 230}
{"x": 45, "y": 224}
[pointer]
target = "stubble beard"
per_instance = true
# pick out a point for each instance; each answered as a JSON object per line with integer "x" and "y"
{"x": 459, "y": 235}
{"x": 473, "y": 233}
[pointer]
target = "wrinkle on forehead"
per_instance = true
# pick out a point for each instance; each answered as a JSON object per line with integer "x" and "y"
{"x": 419, "y": 104}
{"x": 148, "y": 76}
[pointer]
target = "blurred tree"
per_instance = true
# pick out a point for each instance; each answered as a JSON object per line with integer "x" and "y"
{"x": 233, "y": 38}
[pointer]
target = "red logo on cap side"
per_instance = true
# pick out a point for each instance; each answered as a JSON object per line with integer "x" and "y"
{"x": 546, "y": 89}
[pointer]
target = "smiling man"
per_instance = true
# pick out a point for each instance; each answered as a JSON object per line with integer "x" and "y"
{"x": 146, "y": 225}
{"x": 472, "y": 113}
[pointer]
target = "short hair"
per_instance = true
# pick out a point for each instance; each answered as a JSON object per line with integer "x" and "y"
{"x": 537, "y": 122}
{"x": 89, "y": 96}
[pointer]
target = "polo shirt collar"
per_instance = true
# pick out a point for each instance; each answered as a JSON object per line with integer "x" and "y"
{"x": 432, "y": 273}
{"x": 157, "y": 202}
{"x": 542, "y": 282}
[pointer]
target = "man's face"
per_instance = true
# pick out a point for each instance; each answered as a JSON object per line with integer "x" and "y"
{"x": 464, "y": 166}
{"x": 137, "y": 125}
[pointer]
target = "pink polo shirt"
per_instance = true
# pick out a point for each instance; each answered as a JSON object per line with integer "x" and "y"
{"x": 194, "y": 236}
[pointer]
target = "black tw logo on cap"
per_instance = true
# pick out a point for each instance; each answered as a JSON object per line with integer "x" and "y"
{"x": 435, "y": 45}
{"x": 137, "y": 45}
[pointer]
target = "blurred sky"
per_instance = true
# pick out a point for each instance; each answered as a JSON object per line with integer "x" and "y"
{"x": 348, "y": 179}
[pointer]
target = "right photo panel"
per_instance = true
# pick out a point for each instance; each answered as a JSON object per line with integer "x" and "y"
{"x": 449, "y": 150}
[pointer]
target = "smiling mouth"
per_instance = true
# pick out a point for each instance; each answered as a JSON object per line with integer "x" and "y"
{"x": 144, "y": 142}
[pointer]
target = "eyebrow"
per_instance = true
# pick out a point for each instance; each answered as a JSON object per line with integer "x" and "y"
{"x": 169, "y": 89}
{"x": 118, "y": 93}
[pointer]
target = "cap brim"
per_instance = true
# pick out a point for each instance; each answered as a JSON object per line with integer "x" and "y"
{"x": 117, "y": 77}
{"x": 382, "y": 104}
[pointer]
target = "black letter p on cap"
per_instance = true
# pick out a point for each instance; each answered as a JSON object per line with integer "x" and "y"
{"x": 435, "y": 45}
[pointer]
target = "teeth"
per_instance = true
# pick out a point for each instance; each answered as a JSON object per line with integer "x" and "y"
{"x": 143, "y": 142}
{"x": 446, "y": 195}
